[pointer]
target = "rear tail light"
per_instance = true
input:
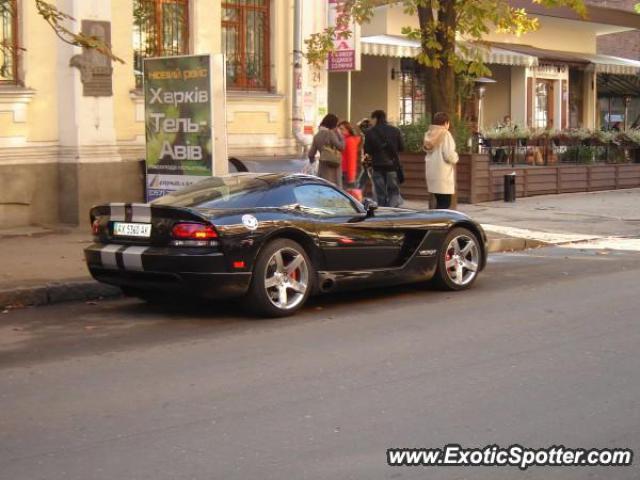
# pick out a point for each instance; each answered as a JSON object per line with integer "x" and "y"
{"x": 193, "y": 235}
{"x": 95, "y": 227}
{"x": 193, "y": 231}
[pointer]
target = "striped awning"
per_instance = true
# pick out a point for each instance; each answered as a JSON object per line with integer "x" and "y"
{"x": 615, "y": 65}
{"x": 599, "y": 63}
{"x": 389, "y": 46}
{"x": 401, "y": 47}
{"x": 504, "y": 54}
{"x": 618, "y": 85}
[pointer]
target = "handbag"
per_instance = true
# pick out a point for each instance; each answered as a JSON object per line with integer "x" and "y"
{"x": 392, "y": 153}
{"x": 330, "y": 155}
{"x": 399, "y": 171}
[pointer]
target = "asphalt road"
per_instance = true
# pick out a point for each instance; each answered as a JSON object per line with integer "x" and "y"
{"x": 543, "y": 351}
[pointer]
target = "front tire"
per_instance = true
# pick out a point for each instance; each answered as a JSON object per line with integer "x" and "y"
{"x": 282, "y": 279}
{"x": 459, "y": 260}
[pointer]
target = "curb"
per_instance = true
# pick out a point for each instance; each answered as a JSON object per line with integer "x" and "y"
{"x": 512, "y": 244}
{"x": 56, "y": 292}
{"x": 83, "y": 290}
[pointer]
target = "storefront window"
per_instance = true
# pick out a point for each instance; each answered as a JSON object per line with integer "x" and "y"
{"x": 576, "y": 93}
{"x": 245, "y": 42}
{"x": 8, "y": 42}
{"x": 412, "y": 98}
{"x": 613, "y": 111}
{"x": 543, "y": 104}
{"x": 160, "y": 29}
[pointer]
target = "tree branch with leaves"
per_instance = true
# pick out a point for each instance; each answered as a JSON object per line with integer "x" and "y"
{"x": 451, "y": 35}
{"x": 56, "y": 20}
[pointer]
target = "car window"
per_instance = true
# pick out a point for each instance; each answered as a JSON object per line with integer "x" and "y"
{"x": 324, "y": 200}
{"x": 230, "y": 192}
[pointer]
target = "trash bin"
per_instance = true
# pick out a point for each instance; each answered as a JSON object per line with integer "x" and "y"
{"x": 510, "y": 187}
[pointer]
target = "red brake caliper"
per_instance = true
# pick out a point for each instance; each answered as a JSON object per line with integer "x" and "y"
{"x": 448, "y": 256}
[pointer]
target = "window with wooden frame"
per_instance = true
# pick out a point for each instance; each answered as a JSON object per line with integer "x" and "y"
{"x": 543, "y": 104}
{"x": 9, "y": 42}
{"x": 160, "y": 29}
{"x": 412, "y": 94}
{"x": 246, "y": 43}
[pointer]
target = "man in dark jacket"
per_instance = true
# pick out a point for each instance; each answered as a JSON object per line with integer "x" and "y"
{"x": 383, "y": 143}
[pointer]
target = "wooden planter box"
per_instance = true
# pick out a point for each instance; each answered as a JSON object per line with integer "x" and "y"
{"x": 415, "y": 183}
{"x": 472, "y": 178}
{"x": 531, "y": 181}
{"x": 479, "y": 181}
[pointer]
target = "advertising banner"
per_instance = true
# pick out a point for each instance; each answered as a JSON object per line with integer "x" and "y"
{"x": 346, "y": 56}
{"x": 179, "y": 121}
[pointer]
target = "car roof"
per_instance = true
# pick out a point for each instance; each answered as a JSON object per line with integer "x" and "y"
{"x": 278, "y": 178}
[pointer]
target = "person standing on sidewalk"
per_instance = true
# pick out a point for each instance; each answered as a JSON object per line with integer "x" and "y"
{"x": 350, "y": 154}
{"x": 328, "y": 142}
{"x": 440, "y": 160}
{"x": 364, "y": 176}
{"x": 383, "y": 143}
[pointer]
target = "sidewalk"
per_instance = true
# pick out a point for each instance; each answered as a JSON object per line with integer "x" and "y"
{"x": 41, "y": 266}
{"x": 558, "y": 219}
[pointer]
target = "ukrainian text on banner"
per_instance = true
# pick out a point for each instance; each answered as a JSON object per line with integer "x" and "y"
{"x": 178, "y": 122}
{"x": 346, "y": 54}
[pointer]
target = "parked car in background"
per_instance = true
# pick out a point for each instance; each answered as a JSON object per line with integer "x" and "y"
{"x": 283, "y": 165}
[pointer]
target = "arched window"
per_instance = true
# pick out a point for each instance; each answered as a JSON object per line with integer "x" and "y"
{"x": 160, "y": 29}
{"x": 246, "y": 41}
{"x": 9, "y": 41}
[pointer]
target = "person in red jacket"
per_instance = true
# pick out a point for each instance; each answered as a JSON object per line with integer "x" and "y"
{"x": 350, "y": 154}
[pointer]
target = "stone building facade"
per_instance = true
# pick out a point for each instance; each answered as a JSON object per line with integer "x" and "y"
{"x": 624, "y": 44}
{"x": 64, "y": 148}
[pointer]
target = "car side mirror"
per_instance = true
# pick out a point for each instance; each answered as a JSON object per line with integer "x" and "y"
{"x": 369, "y": 206}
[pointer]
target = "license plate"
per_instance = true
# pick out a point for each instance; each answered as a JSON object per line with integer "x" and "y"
{"x": 132, "y": 229}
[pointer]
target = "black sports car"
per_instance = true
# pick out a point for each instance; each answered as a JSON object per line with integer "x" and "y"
{"x": 276, "y": 239}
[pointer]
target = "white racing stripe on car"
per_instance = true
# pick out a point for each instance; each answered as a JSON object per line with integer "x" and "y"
{"x": 132, "y": 258}
{"x": 108, "y": 256}
{"x": 117, "y": 213}
{"x": 141, "y": 213}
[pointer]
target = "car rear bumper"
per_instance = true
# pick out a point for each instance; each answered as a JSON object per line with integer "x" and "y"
{"x": 202, "y": 273}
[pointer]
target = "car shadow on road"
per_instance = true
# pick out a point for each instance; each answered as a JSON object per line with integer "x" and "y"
{"x": 76, "y": 329}
{"x": 101, "y": 327}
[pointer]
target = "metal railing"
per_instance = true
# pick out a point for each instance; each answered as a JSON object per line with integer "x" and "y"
{"x": 246, "y": 43}
{"x": 160, "y": 28}
{"x": 8, "y": 42}
{"x": 545, "y": 153}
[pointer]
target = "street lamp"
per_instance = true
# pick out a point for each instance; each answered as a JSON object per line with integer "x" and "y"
{"x": 627, "y": 101}
{"x": 481, "y": 88}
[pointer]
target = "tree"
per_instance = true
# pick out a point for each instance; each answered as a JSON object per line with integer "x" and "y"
{"x": 441, "y": 24}
{"x": 56, "y": 19}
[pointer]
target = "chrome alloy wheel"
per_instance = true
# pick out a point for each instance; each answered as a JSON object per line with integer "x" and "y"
{"x": 461, "y": 260}
{"x": 286, "y": 278}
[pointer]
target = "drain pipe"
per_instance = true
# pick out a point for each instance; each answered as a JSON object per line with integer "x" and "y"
{"x": 297, "y": 118}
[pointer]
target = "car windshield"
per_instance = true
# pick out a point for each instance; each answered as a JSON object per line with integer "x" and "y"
{"x": 234, "y": 191}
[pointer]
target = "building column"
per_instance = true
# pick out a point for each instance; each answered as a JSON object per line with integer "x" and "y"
{"x": 88, "y": 154}
{"x": 591, "y": 118}
{"x": 519, "y": 96}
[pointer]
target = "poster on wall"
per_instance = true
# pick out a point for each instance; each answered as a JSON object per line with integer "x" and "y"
{"x": 180, "y": 124}
{"x": 346, "y": 55}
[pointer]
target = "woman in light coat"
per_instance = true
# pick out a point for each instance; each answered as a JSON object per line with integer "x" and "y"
{"x": 440, "y": 160}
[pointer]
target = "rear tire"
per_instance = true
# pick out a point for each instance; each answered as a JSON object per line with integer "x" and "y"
{"x": 459, "y": 260}
{"x": 282, "y": 279}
